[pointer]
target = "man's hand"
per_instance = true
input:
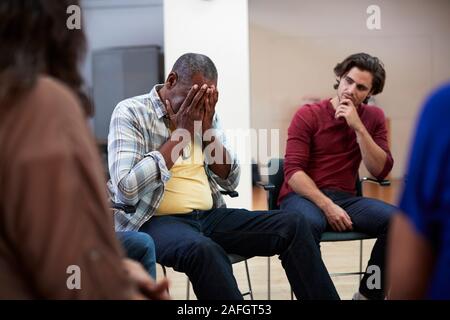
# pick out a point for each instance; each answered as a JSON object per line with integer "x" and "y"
{"x": 338, "y": 219}
{"x": 192, "y": 109}
{"x": 148, "y": 288}
{"x": 347, "y": 110}
{"x": 212, "y": 96}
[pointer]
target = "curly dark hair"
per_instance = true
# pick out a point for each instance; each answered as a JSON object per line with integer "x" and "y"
{"x": 364, "y": 62}
{"x": 35, "y": 40}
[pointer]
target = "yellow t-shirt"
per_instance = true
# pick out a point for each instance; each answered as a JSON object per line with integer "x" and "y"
{"x": 188, "y": 188}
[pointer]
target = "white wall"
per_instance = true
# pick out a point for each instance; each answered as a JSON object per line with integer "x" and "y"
{"x": 116, "y": 23}
{"x": 295, "y": 45}
{"x": 218, "y": 29}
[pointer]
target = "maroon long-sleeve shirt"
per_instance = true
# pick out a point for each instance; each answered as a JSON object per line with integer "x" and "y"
{"x": 326, "y": 149}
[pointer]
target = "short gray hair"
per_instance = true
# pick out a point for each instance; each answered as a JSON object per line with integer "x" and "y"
{"x": 191, "y": 63}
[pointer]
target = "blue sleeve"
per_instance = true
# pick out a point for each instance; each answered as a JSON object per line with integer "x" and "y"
{"x": 426, "y": 195}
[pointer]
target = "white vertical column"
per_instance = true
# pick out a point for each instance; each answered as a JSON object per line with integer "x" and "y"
{"x": 218, "y": 29}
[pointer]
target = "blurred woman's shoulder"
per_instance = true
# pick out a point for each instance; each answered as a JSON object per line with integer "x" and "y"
{"x": 47, "y": 119}
{"x": 54, "y": 96}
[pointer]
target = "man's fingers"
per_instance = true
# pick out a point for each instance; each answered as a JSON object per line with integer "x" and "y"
{"x": 346, "y": 102}
{"x": 212, "y": 101}
{"x": 342, "y": 225}
{"x": 342, "y": 108}
{"x": 172, "y": 116}
{"x": 169, "y": 108}
{"x": 348, "y": 221}
{"x": 348, "y": 226}
{"x": 191, "y": 94}
{"x": 199, "y": 95}
{"x": 335, "y": 225}
{"x": 339, "y": 114}
{"x": 208, "y": 100}
{"x": 338, "y": 227}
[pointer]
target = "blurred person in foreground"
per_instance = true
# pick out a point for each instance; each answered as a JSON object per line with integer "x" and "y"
{"x": 53, "y": 203}
{"x": 419, "y": 241}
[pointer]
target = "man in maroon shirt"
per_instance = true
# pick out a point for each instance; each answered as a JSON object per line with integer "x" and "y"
{"x": 325, "y": 146}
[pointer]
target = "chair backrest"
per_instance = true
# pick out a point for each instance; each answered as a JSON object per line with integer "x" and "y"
{"x": 276, "y": 177}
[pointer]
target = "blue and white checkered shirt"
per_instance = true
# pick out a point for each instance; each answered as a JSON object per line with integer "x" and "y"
{"x": 138, "y": 170}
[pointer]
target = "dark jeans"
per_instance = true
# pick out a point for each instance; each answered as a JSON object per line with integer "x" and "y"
{"x": 369, "y": 216}
{"x": 140, "y": 247}
{"x": 197, "y": 244}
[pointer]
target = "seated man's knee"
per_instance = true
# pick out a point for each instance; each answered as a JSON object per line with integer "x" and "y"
{"x": 204, "y": 249}
{"x": 384, "y": 227}
{"x": 306, "y": 223}
{"x": 292, "y": 223}
{"x": 386, "y": 218}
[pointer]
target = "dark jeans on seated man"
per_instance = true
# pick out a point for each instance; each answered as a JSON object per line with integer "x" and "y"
{"x": 197, "y": 244}
{"x": 368, "y": 215}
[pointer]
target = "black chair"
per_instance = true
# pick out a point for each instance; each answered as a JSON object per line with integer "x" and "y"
{"x": 276, "y": 178}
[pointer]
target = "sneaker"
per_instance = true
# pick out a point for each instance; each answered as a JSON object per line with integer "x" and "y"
{"x": 359, "y": 296}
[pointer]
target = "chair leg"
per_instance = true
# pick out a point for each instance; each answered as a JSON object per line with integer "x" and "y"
{"x": 165, "y": 276}
{"x": 250, "y": 290}
{"x": 188, "y": 286}
{"x": 360, "y": 258}
{"x": 268, "y": 278}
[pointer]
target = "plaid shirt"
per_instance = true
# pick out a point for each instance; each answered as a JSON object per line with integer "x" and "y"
{"x": 138, "y": 170}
